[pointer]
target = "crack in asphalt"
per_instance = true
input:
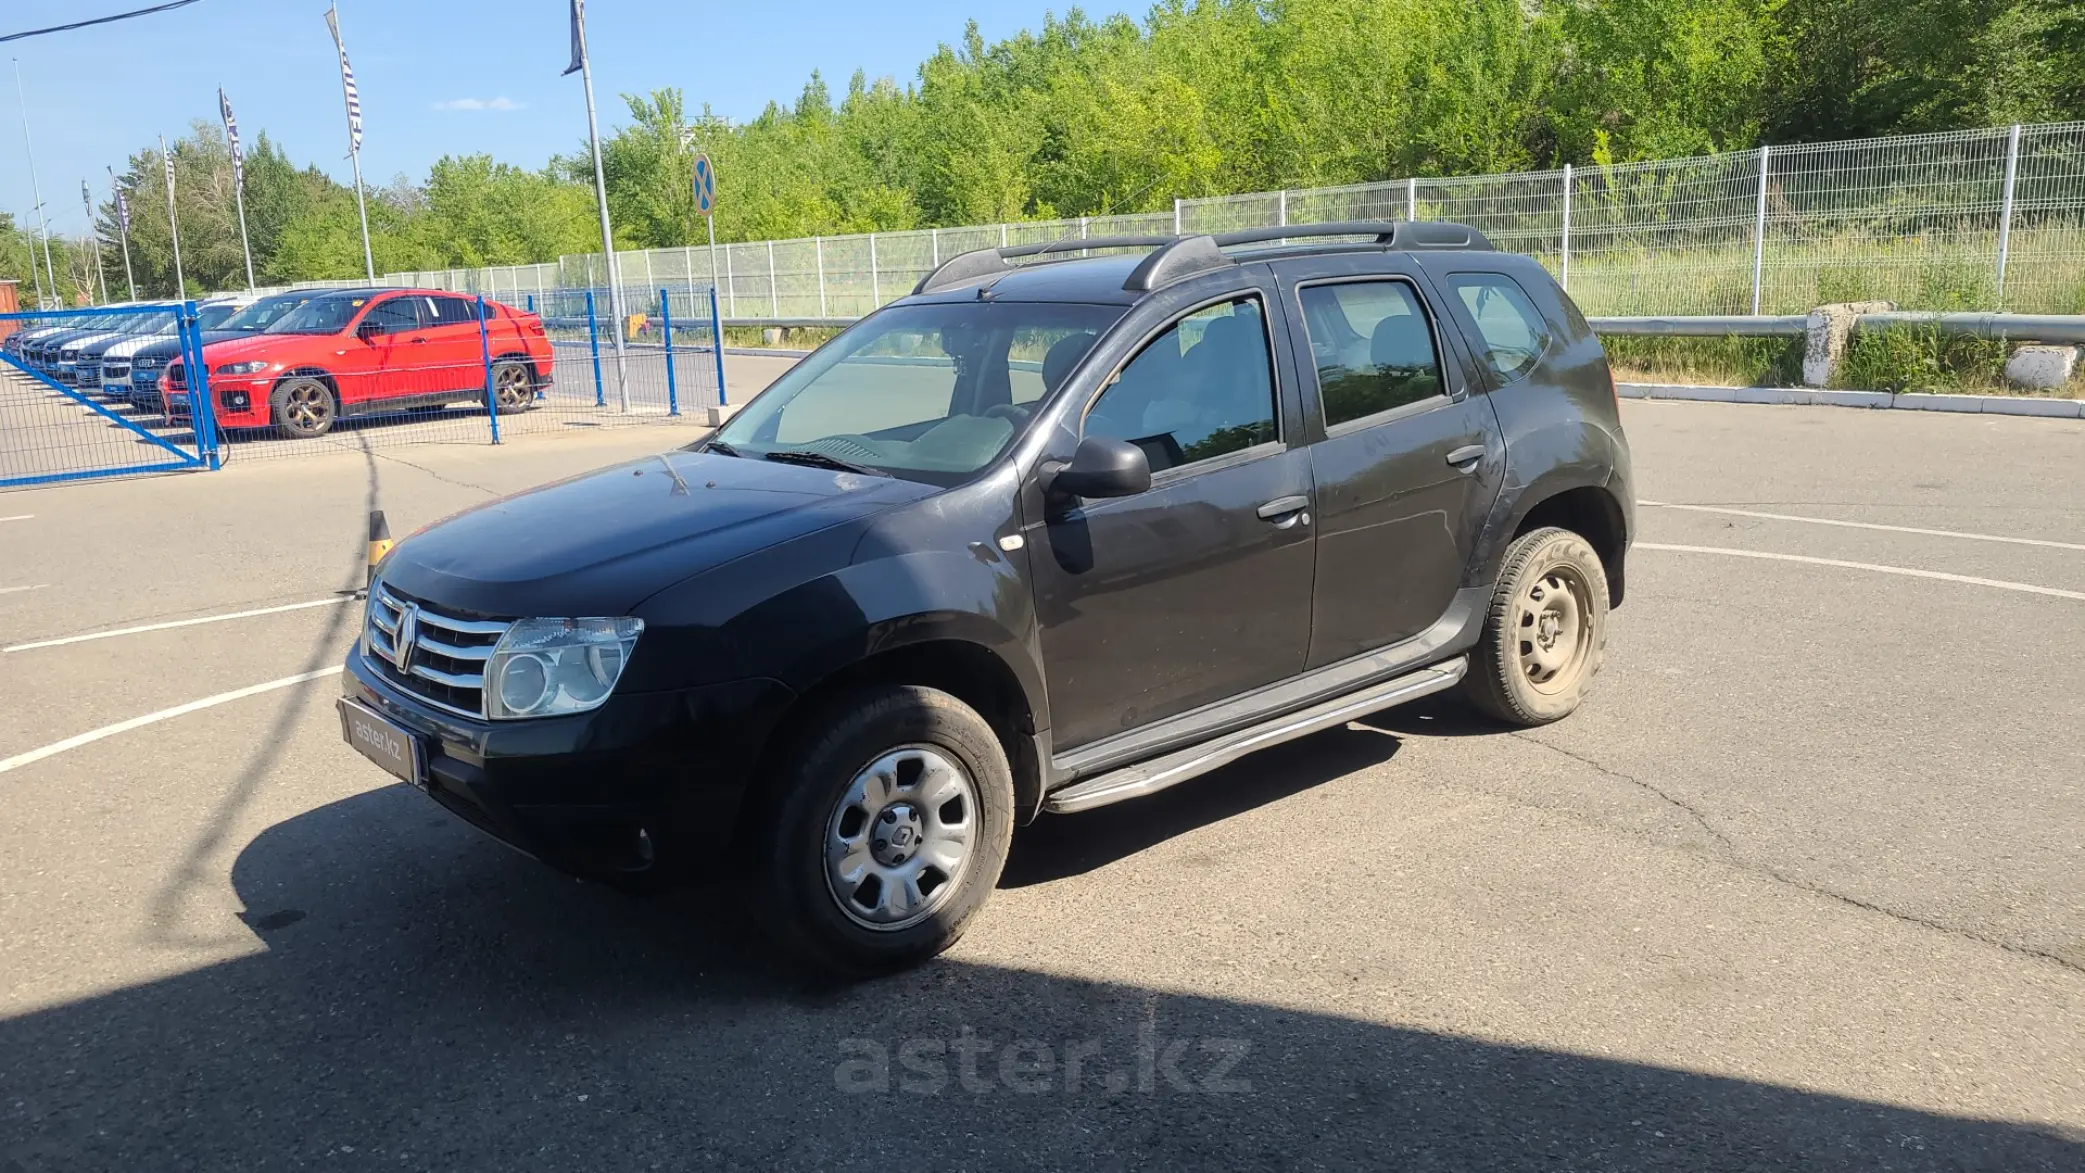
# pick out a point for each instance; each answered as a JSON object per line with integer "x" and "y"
{"x": 1739, "y": 860}
{"x": 447, "y": 480}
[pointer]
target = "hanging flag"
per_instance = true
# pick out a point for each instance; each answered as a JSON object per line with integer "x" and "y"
{"x": 578, "y": 41}
{"x": 347, "y": 86}
{"x": 231, "y": 134}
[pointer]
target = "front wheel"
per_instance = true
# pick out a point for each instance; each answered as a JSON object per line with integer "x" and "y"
{"x": 884, "y": 834}
{"x": 1546, "y": 632}
{"x": 305, "y": 407}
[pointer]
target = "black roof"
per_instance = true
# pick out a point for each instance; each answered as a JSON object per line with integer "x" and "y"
{"x": 1143, "y": 264}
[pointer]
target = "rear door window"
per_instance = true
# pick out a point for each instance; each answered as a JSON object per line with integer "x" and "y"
{"x": 454, "y": 311}
{"x": 1514, "y": 334}
{"x": 1373, "y": 347}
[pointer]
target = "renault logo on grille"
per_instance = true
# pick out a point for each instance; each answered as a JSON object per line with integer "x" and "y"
{"x": 408, "y": 634}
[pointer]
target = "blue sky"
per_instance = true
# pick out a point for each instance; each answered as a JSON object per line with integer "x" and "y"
{"x": 437, "y": 76}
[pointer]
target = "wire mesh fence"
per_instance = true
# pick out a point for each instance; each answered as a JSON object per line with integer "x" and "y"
{"x": 353, "y": 368}
{"x": 1983, "y": 219}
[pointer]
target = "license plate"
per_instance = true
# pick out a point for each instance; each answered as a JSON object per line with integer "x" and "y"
{"x": 383, "y": 742}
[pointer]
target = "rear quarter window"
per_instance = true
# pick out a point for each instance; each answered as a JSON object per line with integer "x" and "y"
{"x": 1512, "y": 333}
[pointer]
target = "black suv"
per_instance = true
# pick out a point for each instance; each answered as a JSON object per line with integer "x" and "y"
{"x": 1041, "y": 536}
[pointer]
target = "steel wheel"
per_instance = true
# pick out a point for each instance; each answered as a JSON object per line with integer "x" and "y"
{"x": 512, "y": 388}
{"x": 898, "y": 841}
{"x": 304, "y": 407}
{"x": 1552, "y": 629}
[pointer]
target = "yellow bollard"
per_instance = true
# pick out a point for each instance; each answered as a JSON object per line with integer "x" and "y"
{"x": 379, "y": 543}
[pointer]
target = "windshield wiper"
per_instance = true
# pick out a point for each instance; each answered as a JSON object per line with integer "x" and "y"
{"x": 821, "y": 460}
{"x": 719, "y": 447}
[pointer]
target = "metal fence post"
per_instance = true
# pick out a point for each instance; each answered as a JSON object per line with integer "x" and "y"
{"x": 492, "y": 400}
{"x": 2005, "y": 215}
{"x": 593, "y": 337}
{"x": 875, "y": 279}
{"x": 202, "y": 410}
{"x": 532, "y": 303}
{"x": 1002, "y": 234}
{"x": 1759, "y": 232}
{"x": 1281, "y": 208}
{"x": 1564, "y": 265}
{"x": 818, "y": 243}
{"x": 1176, "y": 215}
{"x": 774, "y": 288}
{"x": 730, "y": 285}
{"x": 934, "y": 247}
{"x": 1411, "y": 199}
{"x": 716, "y": 333}
{"x": 673, "y": 397}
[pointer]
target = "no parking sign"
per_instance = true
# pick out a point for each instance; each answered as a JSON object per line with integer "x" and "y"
{"x": 705, "y": 185}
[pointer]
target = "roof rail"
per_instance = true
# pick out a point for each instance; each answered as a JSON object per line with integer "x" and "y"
{"x": 1175, "y": 257}
{"x": 1398, "y": 234}
{"x": 964, "y": 268}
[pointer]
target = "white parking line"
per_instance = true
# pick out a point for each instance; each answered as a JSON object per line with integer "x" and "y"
{"x": 2000, "y": 584}
{"x": 32, "y": 587}
{"x": 19, "y": 517}
{"x": 94, "y": 735}
{"x": 1895, "y": 529}
{"x": 76, "y": 639}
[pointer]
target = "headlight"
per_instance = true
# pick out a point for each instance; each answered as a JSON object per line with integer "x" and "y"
{"x": 243, "y": 368}
{"x": 545, "y": 667}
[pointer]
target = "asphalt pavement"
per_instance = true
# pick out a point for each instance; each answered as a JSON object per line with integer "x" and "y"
{"x": 1799, "y": 886}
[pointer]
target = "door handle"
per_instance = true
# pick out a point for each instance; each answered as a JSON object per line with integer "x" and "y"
{"x": 418, "y": 341}
{"x": 1465, "y": 458}
{"x": 1285, "y": 512}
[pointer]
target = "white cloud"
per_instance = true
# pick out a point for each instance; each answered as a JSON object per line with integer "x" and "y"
{"x": 479, "y": 104}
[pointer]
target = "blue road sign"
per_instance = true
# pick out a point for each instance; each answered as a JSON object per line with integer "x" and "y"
{"x": 705, "y": 185}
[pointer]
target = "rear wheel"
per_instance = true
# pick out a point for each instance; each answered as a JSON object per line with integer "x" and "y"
{"x": 1546, "y": 633}
{"x": 884, "y": 834}
{"x": 513, "y": 387}
{"x": 303, "y": 406}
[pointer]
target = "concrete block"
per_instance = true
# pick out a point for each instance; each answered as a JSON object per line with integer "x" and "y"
{"x": 1919, "y": 401}
{"x": 716, "y": 415}
{"x": 1851, "y": 398}
{"x": 1633, "y": 390}
{"x": 2068, "y": 409}
{"x": 1690, "y": 392}
{"x": 1830, "y": 327}
{"x": 772, "y": 336}
{"x": 2043, "y": 368}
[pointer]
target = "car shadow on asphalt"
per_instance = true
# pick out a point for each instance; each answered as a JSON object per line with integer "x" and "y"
{"x": 422, "y": 999}
{"x": 1058, "y": 846}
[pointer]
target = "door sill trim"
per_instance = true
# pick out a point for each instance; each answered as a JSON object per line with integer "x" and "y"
{"x": 1157, "y": 774}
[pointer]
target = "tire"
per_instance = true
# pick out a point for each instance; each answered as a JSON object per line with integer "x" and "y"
{"x": 303, "y": 406}
{"x": 822, "y": 840}
{"x": 1546, "y": 632}
{"x": 513, "y": 385}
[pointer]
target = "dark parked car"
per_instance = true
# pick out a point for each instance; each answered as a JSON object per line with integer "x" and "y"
{"x": 1038, "y": 538}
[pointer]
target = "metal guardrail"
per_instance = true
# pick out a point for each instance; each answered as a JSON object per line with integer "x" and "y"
{"x": 1706, "y": 326}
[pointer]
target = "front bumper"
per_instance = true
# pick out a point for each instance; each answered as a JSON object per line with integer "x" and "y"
{"x": 575, "y": 792}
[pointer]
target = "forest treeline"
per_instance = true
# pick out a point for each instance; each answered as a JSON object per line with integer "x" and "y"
{"x": 1086, "y": 117}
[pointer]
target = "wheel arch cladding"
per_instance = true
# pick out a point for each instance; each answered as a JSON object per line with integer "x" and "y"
{"x": 962, "y": 668}
{"x": 1593, "y": 513}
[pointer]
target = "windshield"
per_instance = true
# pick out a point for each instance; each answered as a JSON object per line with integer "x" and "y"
{"x": 926, "y": 392}
{"x": 210, "y": 317}
{"x": 265, "y": 312}
{"x": 156, "y": 322}
{"x": 325, "y": 315}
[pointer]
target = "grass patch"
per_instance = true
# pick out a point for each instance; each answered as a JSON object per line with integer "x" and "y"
{"x": 1708, "y": 362}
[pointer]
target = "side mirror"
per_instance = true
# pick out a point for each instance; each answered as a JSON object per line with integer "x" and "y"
{"x": 1103, "y": 468}
{"x": 368, "y": 331}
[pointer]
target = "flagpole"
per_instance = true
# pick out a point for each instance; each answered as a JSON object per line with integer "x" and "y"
{"x": 123, "y": 224}
{"x": 347, "y": 94}
{"x": 593, "y": 130}
{"x": 231, "y": 134}
{"x": 37, "y": 192}
{"x": 100, "y": 271}
{"x": 173, "y": 224}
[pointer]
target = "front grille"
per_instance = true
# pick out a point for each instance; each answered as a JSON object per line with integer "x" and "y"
{"x": 111, "y": 371}
{"x": 445, "y": 662}
{"x": 147, "y": 363}
{"x": 176, "y": 378}
{"x": 90, "y": 371}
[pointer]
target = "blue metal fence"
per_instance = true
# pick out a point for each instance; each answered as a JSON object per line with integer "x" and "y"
{"x": 454, "y": 369}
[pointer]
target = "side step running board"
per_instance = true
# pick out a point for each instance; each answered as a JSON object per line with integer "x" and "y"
{"x": 1149, "y": 777}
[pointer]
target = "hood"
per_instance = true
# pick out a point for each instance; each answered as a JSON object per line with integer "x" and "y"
{"x": 169, "y": 345}
{"x": 131, "y": 346}
{"x": 600, "y": 544}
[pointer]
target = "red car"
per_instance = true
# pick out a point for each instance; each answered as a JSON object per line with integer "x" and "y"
{"x": 370, "y": 352}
